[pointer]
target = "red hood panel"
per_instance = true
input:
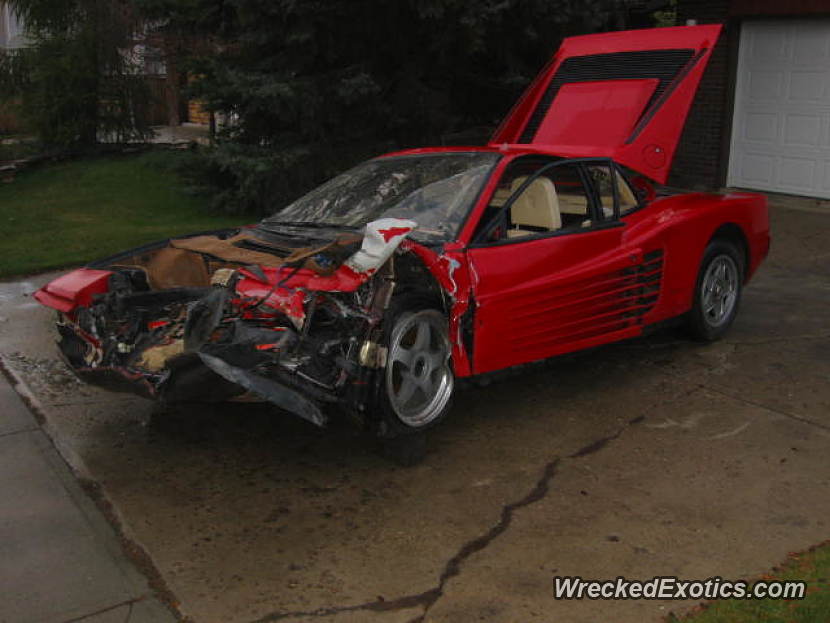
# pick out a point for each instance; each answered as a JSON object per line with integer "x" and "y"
{"x": 623, "y": 95}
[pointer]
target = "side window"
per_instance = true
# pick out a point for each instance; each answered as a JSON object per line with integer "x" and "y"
{"x": 604, "y": 179}
{"x": 571, "y": 195}
{"x": 512, "y": 179}
{"x": 554, "y": 200}
{"x": 628, "y": 200}
{"x": 603, "y": 184}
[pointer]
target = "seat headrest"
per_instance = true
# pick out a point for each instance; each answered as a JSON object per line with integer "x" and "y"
{"x": 537, "y": 206}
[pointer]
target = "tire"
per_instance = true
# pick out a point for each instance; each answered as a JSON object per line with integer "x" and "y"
{"x": 718, "y": 291}
{"x": 416, "y": 386}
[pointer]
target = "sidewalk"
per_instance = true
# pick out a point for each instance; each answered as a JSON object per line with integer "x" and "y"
{"x": 60, "y": 561}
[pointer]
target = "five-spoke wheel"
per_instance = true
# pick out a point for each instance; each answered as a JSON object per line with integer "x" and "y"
{"x": 718, "y": 290}
{"x": 419, "y": 378}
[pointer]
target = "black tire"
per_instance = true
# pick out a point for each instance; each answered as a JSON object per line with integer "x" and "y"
{"x": 431, "y": 368}
{"x": 718, "y": 290}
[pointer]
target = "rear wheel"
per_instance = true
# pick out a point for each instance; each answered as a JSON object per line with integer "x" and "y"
{"x": 717, "y": 291}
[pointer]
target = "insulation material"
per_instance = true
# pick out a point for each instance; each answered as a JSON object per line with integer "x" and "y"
{"x": 227, "y": 250}
{"x": 155, "y": 358}
{"x": 380, "y": 240}
{"x": 174, "y": 268}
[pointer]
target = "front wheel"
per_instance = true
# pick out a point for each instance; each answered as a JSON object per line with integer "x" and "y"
{"x": 418, "y": 379}
{"x": 415, "y": 388}
{"x": 717, "y": 291}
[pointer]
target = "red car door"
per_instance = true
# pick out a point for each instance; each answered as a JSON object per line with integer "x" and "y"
{"x": 545, "y": 293}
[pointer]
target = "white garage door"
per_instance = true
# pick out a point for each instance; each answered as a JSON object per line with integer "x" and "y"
{"x": 781, "y": 129}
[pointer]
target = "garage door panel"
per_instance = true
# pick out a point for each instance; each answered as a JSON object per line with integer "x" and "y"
{"x": 758, "y": 168}
{"x": 809, "y": 44}
{"x": 761, "y": 127}
{"x": 768, "y": 43}
{"x": 765, "y": 85}
{"x": 781, "y": 129}
{"x": 802, "y": 130}
{"x": 809, "y": 87}
{"x": 797, "y": 174}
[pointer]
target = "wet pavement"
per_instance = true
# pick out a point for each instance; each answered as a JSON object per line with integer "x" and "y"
{"x": 657, "y": 456}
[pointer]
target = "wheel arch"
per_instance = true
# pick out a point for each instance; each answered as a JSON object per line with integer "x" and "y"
{"x": 733, "y": 233}
{"x": 414, "y": 278}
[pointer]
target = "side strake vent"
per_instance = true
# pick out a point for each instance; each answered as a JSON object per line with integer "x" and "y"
{"x": 662, "y": 65}
{"x": 605, "y": 303}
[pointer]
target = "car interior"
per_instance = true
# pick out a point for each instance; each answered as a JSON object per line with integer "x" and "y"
{"x": 556, "y": 200}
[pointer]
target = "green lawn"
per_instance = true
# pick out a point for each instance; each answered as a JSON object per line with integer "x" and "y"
{"x": 812, "y": 566}
{"x": 70, "y": 213}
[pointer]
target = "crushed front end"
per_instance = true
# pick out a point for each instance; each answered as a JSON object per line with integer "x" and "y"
{"x": 236, "y": 315}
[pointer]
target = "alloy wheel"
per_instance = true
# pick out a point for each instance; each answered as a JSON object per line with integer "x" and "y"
{"x": 719, "y": 290}
{"x": 419, "y": 379}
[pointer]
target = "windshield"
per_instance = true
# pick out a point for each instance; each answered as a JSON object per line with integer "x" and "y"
{"x": 435, "y": 190}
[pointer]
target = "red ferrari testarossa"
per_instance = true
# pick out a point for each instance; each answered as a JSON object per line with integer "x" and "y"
{"x": 376, "y": 291}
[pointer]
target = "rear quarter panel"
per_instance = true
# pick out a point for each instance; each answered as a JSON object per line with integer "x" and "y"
{"x": 685, "y": 224}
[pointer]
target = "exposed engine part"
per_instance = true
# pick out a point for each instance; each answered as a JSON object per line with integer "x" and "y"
{"x": 223, "y": 277}
{"x": 203, "y": 316}
{"x": 372, "y": 355}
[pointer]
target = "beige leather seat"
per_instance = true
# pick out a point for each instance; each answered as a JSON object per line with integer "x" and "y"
{"x": 536, "y": 207}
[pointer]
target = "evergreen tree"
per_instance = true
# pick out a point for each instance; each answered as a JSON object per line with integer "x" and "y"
{"x": 78, "y": 81}
{"x": 309, "y": 87}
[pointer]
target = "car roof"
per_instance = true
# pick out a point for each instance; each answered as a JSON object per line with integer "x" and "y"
{"x": 505, "y": 150}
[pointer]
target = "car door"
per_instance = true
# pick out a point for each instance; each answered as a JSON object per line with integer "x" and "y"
{"x": 558, "y": 284}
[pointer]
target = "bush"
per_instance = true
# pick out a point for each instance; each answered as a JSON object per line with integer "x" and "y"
{"x": 74, "y": 84}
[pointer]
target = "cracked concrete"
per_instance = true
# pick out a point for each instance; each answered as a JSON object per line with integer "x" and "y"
{"x": 453, "y": 567}
{"x": 655, "y": 456}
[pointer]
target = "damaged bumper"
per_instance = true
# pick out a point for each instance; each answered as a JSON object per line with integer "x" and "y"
{"x": 189, "y": 320}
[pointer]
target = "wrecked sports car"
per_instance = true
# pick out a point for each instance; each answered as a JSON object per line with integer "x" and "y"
{"x": 375, "y": 292}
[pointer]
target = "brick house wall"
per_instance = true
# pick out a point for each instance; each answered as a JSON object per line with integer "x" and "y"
{"x": 699, "y": 162}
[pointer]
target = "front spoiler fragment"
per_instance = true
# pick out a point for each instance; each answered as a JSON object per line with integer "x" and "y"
{"x": 272, "y": 391}
{"x": 192, "y": 377}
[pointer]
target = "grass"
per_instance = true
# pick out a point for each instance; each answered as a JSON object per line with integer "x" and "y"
{"x": 70, "y": 213}
{"x": 812, "y": 566}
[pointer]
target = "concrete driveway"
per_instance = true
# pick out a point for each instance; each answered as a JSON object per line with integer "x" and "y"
{"x": 654, "y": 457}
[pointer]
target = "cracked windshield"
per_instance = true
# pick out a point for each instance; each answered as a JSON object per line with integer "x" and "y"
{"x": 436, "y": 191}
